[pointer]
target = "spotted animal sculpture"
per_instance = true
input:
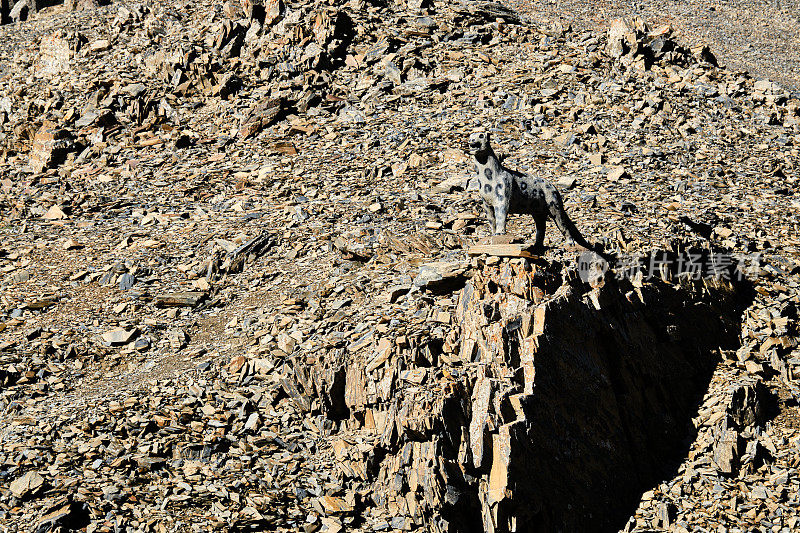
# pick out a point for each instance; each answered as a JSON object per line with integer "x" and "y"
{"x": 505, "y": 191}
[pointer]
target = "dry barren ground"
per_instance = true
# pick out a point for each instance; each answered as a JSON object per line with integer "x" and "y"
{"x": 234, "y": 240}
{"x": 762, "y": 37}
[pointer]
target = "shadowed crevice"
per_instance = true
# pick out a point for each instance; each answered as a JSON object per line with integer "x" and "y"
{"x": 610, "y": 413}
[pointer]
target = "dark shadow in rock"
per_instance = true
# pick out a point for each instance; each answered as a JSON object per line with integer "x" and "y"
{"x": 615, "y": 375}
{"x": 614, "y": 395}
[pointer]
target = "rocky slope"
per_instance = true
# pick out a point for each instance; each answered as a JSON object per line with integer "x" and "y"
{"x": 760, "y": 36}
{"x": 237, "y": 293}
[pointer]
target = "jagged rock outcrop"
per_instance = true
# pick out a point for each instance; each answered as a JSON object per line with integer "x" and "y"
{"x": 557, "y": 403}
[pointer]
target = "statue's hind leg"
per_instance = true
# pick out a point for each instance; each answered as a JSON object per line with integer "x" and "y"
{"x": 541, "y": 223}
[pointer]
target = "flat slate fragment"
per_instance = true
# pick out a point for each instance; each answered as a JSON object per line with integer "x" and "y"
{"x": 119, "y": 336}
{"x": 28, "y": 484}
{"x": 503, "y": 250}
{"x": 180, "y": 299}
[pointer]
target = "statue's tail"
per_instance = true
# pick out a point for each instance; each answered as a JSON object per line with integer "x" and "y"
{"x": 568, "y": 229}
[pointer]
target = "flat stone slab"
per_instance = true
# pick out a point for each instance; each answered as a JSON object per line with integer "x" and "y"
{"x": 180, "y": 299}
{"x": 503, "y": 250}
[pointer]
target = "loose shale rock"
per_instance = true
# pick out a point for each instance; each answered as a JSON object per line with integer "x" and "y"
{"x": 245, "y": 282}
